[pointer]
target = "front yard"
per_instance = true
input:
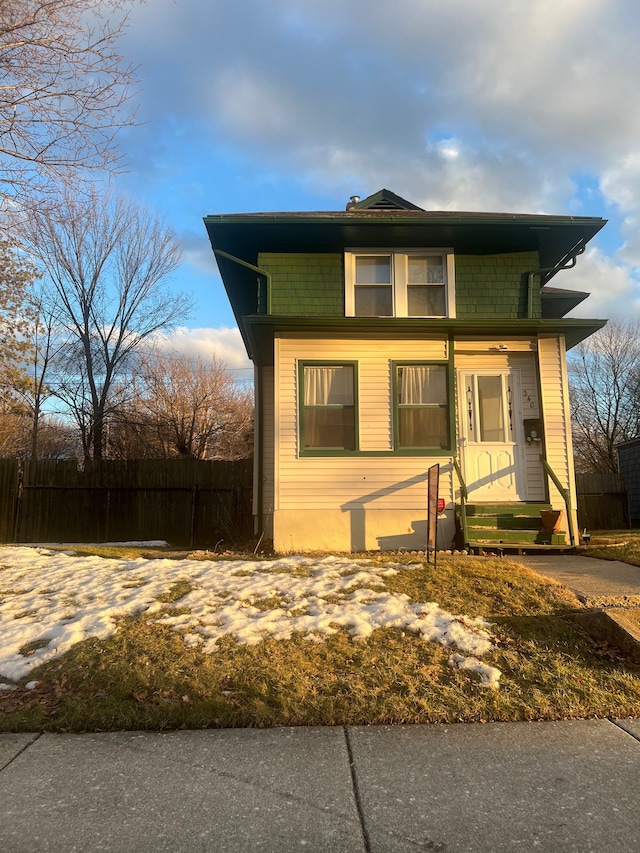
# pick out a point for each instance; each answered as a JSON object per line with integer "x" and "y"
{"x": 125, "y": 638}
{"x": 621, "y": 545}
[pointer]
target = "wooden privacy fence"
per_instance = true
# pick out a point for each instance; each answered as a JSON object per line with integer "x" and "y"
{"x": 602, "y": 501}
{"x": 187, "y": 502}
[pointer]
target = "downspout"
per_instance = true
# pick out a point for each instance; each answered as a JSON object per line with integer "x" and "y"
{"x": 260, "y": 438}
{"x": 567, "y": 265}
{"x": 255, "y": 269}
{"x": 258, "y": 385}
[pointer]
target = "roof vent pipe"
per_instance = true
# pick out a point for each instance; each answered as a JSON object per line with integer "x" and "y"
{"x": 354, "y": 199}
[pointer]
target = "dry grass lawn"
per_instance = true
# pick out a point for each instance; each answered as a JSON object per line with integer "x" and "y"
{"x": 145, "y": 677}
{"x": 623, "y": 545}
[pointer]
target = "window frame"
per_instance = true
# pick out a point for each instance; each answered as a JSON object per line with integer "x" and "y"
{"x": 327, "y": 451}
{"x": 423, "y": 450}
{"x": 399, "y": 280}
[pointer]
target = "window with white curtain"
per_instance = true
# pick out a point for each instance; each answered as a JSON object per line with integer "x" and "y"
{"x": 327, "y": 412}
{"x": 422, "y": 408}
{"x": 399, "y": 284}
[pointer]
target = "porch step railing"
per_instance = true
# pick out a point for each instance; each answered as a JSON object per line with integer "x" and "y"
{"x": 463, "y": 501}
{"x": 464, "y": 496}
{"x": 566, "y": 497}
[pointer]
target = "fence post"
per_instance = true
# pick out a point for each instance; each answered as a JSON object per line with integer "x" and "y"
{"x": 194, "y": 492}
{"x": 18, "y": 502}
{"x": 107, "y": 514}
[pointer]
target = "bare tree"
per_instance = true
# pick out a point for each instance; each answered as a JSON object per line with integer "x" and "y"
{"x": 63, "y": 86}
{"x": 16, "y": 278}
{"x": 57, "y": 439}
{"x": 185, "y": 407}
{"x": 44, "y": 346}
{"x": 106, "y": 262}
{"x": 604, "y": 378}
{"x": 12, "y": 422}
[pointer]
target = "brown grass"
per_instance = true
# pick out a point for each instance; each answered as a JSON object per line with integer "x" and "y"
{"x": 144, "y": 677}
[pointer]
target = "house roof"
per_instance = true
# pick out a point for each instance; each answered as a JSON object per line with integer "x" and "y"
{"x": 382, "y": 200}
{"x": 386, "y": 219}
{"x": 558, "y": 301}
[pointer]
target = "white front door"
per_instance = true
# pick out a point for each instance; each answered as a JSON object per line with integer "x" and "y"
{"x": 491, "y": 435}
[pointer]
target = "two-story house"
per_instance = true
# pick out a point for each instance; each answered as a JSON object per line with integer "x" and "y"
{"x": 386, "y": 339}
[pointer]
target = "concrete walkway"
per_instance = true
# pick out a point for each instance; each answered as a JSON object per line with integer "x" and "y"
{"x": 495, "y": 788}
{"x": 597, "y": 582}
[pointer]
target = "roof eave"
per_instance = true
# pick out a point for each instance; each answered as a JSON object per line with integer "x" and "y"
{"x": 259, "y": 330}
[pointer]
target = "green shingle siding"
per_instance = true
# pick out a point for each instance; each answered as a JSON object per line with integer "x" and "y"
{"x": 495, "y": 285}
{"x": 487, "y": 286}
{"x": 305, "y": 284}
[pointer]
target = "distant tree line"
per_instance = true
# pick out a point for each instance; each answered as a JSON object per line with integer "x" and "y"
{"x": 84, "y": 273}
{"x": 83, "y": 290}
{"x": 604, "y": 384}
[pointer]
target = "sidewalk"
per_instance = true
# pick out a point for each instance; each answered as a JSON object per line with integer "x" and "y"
{"x": 599, "y": 583}
{"x": 560, "y": 786}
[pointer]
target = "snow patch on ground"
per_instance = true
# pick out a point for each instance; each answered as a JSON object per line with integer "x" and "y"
{"x": 50, "y": 600}
{"x": 489, "y": 675}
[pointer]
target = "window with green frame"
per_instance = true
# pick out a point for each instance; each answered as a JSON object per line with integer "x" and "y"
{"x": 327, "y": 406}
{"x": 421, "y": 407}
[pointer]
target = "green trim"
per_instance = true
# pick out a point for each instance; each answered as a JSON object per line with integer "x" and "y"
{"x": 426, "y": 450}
{"x": 260, "y": 329}
{"x": 378, "y": 454}
{"x": 328, "y": 451}
{"x": 566, "y": 497}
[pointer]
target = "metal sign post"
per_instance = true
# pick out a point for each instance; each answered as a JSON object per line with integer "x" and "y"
{"x": 433, "y": 481}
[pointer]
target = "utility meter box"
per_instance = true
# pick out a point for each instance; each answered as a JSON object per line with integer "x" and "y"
{"x": 533, "y": 429}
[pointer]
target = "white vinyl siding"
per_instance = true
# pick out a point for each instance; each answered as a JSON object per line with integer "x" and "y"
{"x": 556, "y": 414}
{"x": 351, "y": 482}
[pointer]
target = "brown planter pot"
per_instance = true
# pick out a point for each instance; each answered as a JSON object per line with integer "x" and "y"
{"x": 552, "y": 519}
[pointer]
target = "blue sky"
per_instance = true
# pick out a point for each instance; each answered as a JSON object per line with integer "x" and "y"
{"x": 247, "y": 105}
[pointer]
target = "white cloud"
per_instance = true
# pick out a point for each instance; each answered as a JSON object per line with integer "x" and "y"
{"x": 196, "y": 250}
{"x": 460, "y": 105}
{"x": 614, "y": 291}
{"x": 532, "y": 88}
{"x": 620, "y": 181}
{"x": 225, "y": 343}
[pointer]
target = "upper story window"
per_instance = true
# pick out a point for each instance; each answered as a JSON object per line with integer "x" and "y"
{"x": 399, "y": 284}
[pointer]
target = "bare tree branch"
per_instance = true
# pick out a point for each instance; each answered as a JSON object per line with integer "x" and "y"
{"x": 107, "y": 261}
{"x": 184, "y": 408}
{"x": 64, "y": 88}
{"x": 604, "y": 378}
{"x": 16, "y": 277}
